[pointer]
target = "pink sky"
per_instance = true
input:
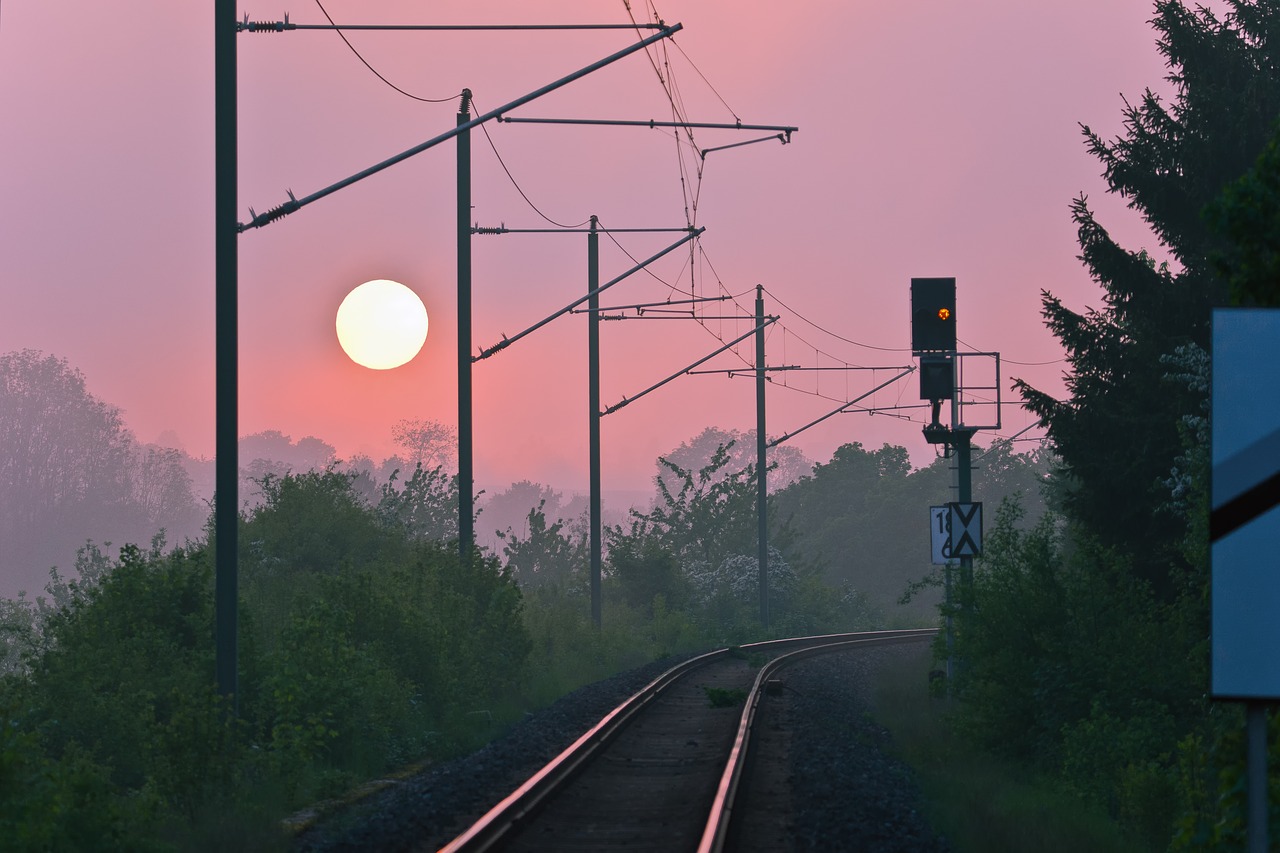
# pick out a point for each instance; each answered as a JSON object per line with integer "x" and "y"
{"x": 936, "y": 139}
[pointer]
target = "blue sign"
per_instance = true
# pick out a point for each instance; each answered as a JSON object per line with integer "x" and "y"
{"x": 1244, "y": 521}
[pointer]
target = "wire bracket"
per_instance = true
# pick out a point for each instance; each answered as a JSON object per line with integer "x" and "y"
{"x": 265, "y": 26}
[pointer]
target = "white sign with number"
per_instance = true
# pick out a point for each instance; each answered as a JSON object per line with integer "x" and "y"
{"x": 940, "y": 534}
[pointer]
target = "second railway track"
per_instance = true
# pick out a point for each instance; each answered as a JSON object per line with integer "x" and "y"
{"x": 662, "y": 770}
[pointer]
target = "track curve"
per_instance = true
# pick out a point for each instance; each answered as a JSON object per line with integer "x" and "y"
{"x": 661, "y": 771}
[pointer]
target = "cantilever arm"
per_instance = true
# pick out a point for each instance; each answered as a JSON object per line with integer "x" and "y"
{"x": 857, "y": 399}
{"x": 506, "y": 342}
{"x": 627, "y": 400}
{"x": 294, "y": 204}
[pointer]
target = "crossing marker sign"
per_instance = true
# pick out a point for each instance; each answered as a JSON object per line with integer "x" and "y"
{"x": 966, "y": 530}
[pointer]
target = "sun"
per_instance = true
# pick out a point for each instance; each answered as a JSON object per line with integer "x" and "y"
{"x": 382, "y": 324}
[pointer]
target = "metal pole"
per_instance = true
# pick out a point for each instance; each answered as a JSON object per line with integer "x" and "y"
{"x": 466, "y": 488}
{"x": 762, "y": 473}
{"x": 1256, "y": 768}
{"x": 964, "y": 495}
{"x": 593, "y": 406}
{"x": 226, "y": 352}
{"x": 948, "y": 572}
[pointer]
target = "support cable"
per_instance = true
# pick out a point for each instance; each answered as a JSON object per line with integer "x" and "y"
{"x": 370, "y": 67}
{"x": 520, "y": 189}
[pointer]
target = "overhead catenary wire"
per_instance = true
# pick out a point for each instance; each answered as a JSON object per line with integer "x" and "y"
{"x": 375, "y": 71}
{"x": 1020, "y": 363}
{"x": 516, "y": 183}
{"x": 688, "y": 177}
{"x": 691, "y": 184}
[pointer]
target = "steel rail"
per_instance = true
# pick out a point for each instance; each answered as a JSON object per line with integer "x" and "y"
{"x": 499, "y": 821}
{"x": 497, "y": 825}
{"x": 719, "y": 823}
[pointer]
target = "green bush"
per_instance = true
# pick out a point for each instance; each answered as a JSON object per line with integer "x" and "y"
{"x": 361, "y": 645}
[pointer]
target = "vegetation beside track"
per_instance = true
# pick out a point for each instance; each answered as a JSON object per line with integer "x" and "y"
{"x": 979, "y": 801}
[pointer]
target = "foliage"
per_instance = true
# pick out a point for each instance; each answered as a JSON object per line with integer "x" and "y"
{"x": 862, "y": 516}
{"x": 425, "y": 506}
{"x": 1066, "y": 667}
{"x": 786, "y": 462}
{"x": 694, "y": 553}
{"x": 722, "y": 697}
{"x": 1247, "y": 215}
{"x": 1087, "y": 655}
{"x": 710, "y": 516}
{"x": 1211, "y": 788}
{"x": 980, "y": 801}
{"x": 548, "y": 554}
{"x": 361, "y": 646}
{"x": 70, "y": 470}
{"x": 429, "y": 444}
{"x": 66, "y": 804}
{"x": 1118, "y": 435}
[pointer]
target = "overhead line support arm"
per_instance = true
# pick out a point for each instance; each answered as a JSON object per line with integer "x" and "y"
{"x": 286, "y": 26}
{"x": 652, "y": 123}
{"x": 627, "y": 400}
{"x": 294, "y": 204}
{"x": 506, "y": 342}
{"x": 857, "y": 399}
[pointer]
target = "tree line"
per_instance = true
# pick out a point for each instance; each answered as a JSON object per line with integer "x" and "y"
{"x": 366, "y": 643}
{"x": 1087, "y": 657}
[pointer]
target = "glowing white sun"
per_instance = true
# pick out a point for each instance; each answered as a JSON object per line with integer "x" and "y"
{"x": 382, "y": 324}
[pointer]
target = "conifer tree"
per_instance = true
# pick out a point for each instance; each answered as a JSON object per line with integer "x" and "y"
{"x": 1117, "y": 433}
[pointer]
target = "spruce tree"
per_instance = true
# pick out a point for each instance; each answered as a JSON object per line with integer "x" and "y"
{"x": 1117, "y": 433}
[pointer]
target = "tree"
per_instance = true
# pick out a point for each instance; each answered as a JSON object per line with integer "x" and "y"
{"x": 507, "y": 513}
{"x": 786, "y": 462}
{"x": 711, "y": 513}
{"x": 162, "y": 489}
{"x": 428, "y": 443}
{"x": 1247, "y": 215}
{"x": 70, "y": 471}
{"x": 1117, "y": 434}
{"x": 271, "y": 453}
{"x": 546, "y": 553}
{"x": 425, "y": 506}
{"x": 862, "y": 515}
{"x": 1088, "y": 653}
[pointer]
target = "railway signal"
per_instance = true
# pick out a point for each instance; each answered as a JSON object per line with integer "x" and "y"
{"x": 956, "y": 528}
{"x": 933, "y": 315}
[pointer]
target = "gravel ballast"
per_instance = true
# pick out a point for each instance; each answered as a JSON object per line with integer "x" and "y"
{"x": 846, "y": 792}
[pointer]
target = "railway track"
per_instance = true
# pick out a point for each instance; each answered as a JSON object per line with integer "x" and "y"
{"x": 663, "y": 769}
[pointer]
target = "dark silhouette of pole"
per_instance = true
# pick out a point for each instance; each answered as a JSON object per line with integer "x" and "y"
{"x": 593, "y": 406}
{"x": 762, "y": 473}
{"x": 226, "y": 352}
{"x": 963, "y": 437}
{"x": 592, "y": 299}
{"x": 466, "y": 489}
{"x": 1257, "y": 832}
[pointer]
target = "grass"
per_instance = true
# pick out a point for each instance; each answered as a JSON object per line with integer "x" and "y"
{"x": 978, "y": 801}
{"x": 721, "y": 697}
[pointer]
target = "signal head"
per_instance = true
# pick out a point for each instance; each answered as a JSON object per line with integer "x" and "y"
{"x": 933, "y": 311}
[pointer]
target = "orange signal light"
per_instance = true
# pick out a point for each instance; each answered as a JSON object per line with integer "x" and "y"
{"x": 944, "y": 313}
